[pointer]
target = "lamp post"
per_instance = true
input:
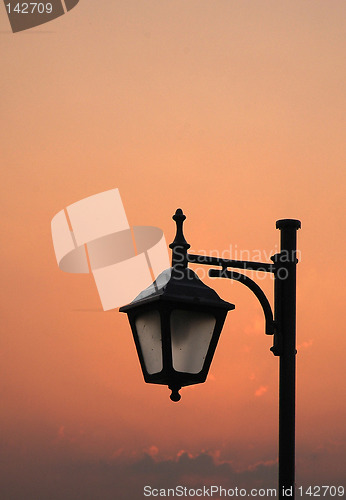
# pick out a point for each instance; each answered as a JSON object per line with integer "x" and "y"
{"x": 176, "y": 323}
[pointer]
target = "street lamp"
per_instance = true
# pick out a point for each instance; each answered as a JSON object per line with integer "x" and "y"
{"x": 176, "y": 323}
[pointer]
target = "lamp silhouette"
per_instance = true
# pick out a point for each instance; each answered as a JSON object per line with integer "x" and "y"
{"x": 176, "y": 323}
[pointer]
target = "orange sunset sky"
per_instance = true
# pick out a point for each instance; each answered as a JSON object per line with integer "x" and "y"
{"x": 234, "y": 111}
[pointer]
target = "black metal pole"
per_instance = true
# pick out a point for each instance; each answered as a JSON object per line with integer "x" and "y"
{"x": 284, "y": 269}
{"x": 285, "y": 318}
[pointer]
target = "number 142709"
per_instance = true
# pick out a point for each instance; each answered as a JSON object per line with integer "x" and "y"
{"x": 30, "y": 8}
{"x": 321, "y": 491}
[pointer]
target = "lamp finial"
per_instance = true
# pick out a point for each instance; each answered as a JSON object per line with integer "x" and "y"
{"x": 179, "y": 246}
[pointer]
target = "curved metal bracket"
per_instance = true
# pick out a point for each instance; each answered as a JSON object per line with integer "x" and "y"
{"x": 233, "y": 275}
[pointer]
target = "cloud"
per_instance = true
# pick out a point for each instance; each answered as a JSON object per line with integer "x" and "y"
{"x": 261, "y": 390}
{"x": 305, "y": 344}
{"x": 61, "y": 431}
{"x": 123, "y": 478}
{"x": 255, "y": 327}
{"x": 153, "y": 451}
{"x": 204, "y": 467}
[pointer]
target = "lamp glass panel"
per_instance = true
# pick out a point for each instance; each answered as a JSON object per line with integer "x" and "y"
{"x": 148, "y": 327}
{"x": 191, "y": 334}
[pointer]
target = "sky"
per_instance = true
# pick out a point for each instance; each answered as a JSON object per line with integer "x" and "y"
{"x": 234, "y": 111}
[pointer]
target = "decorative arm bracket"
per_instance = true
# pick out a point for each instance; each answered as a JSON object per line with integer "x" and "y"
{"x": 270, "y": 324}
{"x": 233, "y": 275}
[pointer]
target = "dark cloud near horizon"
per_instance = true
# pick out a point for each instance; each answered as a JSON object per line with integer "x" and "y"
{"x": 119, "y": 479}
{"x": 203, "y": 466}
{"x": 30, "y": 478}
